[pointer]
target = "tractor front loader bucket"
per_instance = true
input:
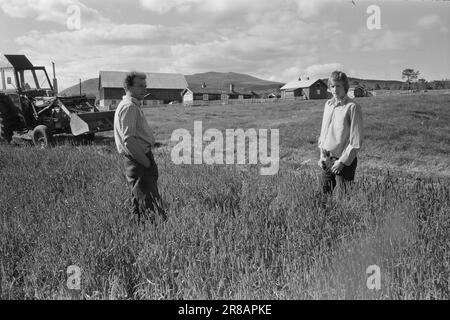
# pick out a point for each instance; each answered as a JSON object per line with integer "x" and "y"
{"x": 81, "y": 123}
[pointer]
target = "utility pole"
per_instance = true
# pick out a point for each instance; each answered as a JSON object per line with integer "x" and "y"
{"x": 80, "y": 86}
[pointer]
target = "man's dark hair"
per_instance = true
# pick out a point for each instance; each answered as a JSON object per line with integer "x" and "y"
{"x": 339, "y": 76}
{"x": 129, "y": 79}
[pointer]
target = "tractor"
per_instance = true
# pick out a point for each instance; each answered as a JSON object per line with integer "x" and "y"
{"x": 29, "y": 106}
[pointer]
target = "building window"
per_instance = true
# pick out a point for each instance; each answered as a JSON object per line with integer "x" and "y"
{"x": 205, "y": 97}
{"x": 318, "y": 91}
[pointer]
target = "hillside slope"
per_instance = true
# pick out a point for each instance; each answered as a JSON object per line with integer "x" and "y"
{"x": 88, "y": 87}
{"x": 217, "y": 80}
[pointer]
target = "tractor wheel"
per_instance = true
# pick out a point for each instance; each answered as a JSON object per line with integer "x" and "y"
{"x": 42, "y": 137}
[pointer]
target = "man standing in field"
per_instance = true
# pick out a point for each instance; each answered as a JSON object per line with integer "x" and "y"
{"x": 340, "y": 137}
{"x": 134, "y": 139}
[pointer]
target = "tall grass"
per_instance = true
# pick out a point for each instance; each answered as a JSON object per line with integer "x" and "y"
{"x": 231, "y": 233}
{"x": 406, "y": 134}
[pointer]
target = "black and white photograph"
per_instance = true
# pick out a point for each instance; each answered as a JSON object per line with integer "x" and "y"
{"x": 224, "y": 155}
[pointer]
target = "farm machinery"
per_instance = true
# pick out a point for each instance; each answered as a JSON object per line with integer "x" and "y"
{"x": 29, "y": 106}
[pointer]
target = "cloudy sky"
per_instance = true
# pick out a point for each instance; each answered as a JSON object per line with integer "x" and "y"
{"x": 272, "y": 39}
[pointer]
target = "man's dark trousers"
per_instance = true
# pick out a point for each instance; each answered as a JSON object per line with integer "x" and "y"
{"x": 342, "y": 180}
{"x": 144, "y": 188}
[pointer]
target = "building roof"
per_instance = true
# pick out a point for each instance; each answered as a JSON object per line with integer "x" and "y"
{"x": 299, "y": 84}
{"x": 114, "y": 79}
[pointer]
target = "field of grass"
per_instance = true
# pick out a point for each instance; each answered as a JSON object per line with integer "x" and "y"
{"x": 232, "y": 233}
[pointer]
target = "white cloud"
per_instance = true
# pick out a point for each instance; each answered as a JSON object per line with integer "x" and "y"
{"x": 384, "y": 40}
{"x": 263, "y": 43}
{"x": 300, "y": 70}
{"x": 304, "y": 8}
{"x": 323, "y": 70}
{"x": 278, "y": 40}
{"x": 49, "y": 10}
{"x": 310, "y": 8}
{"x": 289, "y": 74}
{"x": 197, "y": 5}
{"x": 168, "y": 5}
{"x": 429, "y": 21}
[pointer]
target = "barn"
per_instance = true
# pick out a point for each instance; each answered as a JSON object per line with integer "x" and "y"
{"x": 240, "y": 95}
{"x": 162, "y": 88}
{"x": 247, "y": 95}
{"x": 358, "y": 91}
{"x": 308, "y": 89}
{"x": 203, "y": 93}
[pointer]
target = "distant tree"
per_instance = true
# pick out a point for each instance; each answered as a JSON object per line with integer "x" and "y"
{"x": 410, "y": 75}
{"x": 440, "y": 84}
{"x": 446, "y": 83}
{"x": 377, "y": 86}
{"x": 437, "y": 84}
{"x": 422, "y": 84}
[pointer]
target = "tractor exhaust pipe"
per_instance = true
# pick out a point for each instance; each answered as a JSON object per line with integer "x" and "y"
{"x": 55, "y": 81}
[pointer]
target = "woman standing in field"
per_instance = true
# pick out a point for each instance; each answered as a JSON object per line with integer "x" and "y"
{"x": 340, "y": 137}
